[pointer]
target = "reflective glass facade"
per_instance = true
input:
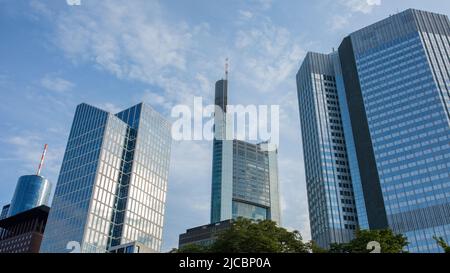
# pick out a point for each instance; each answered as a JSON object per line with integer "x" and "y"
{"x": 393, "y": 83}
{"x": 245, "y": 177}
{"x": 113, "y": 181}
{"x": 403, "y": 66}
{"x": 31, "y": 191}
{"x": 332, "y": 210}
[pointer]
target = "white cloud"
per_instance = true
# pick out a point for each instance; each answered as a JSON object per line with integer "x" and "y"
{"x": 155, "y": 99}
{"x": 56, "y": 84}
{"x": 364, "y": 6}
{"x": 266, "y": 56}
{"x": 265, "y": 4}
{"x": 245, "y": 14}
{"x": 339, "y": 22}
{"x": 130, "y": 40}
{"x": 110, "y": 107}
{"x": 28, "y": 148}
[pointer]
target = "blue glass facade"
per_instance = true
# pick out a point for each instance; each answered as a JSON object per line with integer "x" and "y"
{"x": 403, "y": 68}
{"x": 332, "y": 211}
{"x": 244, "y": 176}
{"x": 31, "y": 191}
{"x": 112, "y": 184}
{"x": 393, "y": 84}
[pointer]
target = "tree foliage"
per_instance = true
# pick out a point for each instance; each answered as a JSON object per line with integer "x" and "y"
{"x": 193, "y": 249}
{"x": 388, "y": 240}
{"x": 443, "y": 244}
{"x": 247, "y": 236}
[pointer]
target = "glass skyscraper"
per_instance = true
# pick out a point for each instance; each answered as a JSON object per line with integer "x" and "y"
{"x": 113, "y": 181}
{"x": 331, "y": 200}
{"x": 244, "y": 175}
{"x": 393, "y": 81}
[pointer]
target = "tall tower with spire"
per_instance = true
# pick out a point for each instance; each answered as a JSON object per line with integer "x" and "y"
{"x": 244, "y": 175}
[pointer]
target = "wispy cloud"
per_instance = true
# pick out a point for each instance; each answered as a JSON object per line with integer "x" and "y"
{"x": 129, "y": 39}
{"x": 364, "y": 6}
{"x": 245, "y": 14}
{"x": 267, "y": 55}
{"x": 339, "y": 21}
{"x": 109, "y": 107}
{"x": 56, "y": 84}
{"x": 264, "y": 4}
{"x": 342, "y": 19}
{"x": 27, "y": 150}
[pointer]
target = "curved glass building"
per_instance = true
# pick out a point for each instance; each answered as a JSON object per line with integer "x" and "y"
{"x": 31, "y": 191}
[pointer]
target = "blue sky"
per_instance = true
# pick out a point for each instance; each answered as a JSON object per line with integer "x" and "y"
{"x": 114, "y": 54}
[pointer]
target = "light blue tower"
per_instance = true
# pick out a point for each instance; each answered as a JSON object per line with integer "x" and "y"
{"x": 31, "y": 191}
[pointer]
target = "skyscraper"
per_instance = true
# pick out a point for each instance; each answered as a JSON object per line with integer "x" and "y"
{"x": 244, "y": 179}
{"x": 244, "y": 175}
{"x": 393, "y": 80}
{"x": 113, "y": 181}
{"x": 332, "y": 208}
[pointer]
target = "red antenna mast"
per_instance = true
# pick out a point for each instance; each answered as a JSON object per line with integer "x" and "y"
{"x": 42, "y": 160}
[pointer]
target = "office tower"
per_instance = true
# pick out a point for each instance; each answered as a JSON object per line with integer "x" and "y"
{"x": 5, "y": 211}
{"x": 397, "y": 81}
{"x": 22, "y": 232}
{"x": 31, "y": 191}
{"x": 244, "y": 175}
{"x": 332, "y": 208}
{"x": 244, "y": 178}
{"x": 393, "y": 84}
{"x": 112, "y": 185}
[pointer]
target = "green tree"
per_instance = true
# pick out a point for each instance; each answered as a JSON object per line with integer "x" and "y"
{"x": 247, "y": 236}
{"x": 442, "y": 243}
{"x": 316, "y": 249}
{"x": 340, "y": 248}
{"x": 192, "y": 248}
{"x": 389, "y": 242}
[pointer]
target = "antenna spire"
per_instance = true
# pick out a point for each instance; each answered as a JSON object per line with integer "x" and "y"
{"x": 41, "y": 163}
{"x": 226, "y": 69}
